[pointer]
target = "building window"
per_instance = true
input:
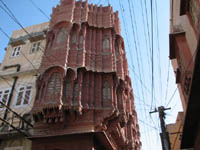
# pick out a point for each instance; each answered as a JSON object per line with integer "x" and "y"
{"x": 61, "y": 36}
{"x": 106, "y": 91}
{"x": 16, "y": 51}
{"x": 35, "y": 47}
{"x": 4, "y": 95}
{"x": 24, "y": 95}
{"x": 54, "y": 84}
{"x": 106, "y": 43}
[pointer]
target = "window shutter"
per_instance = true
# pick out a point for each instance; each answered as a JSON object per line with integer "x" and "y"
{"x": 106, "y": 91}
{"x": 53, "y": 84}
{"x": 61, "y": 36}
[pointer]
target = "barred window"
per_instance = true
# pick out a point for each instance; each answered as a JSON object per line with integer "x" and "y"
{"x": 4, "y": 95}
{"x": 106, "y": 91}
{"x": 53, "y": 84}
{"x": 106, "y": 43}
{"x": 35, "y": 47}
{"x": 61, "y": 36}
{"x": 16, "y": 51}
{"x": 24, "y": 95}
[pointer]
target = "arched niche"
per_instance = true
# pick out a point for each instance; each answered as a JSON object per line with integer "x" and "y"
{"x": 61, "y": 35}
{"x": 70, "y": 77}
{"x": 74, "y": 34}
{"x": 54, "y": 84}
{"x": 51, "y": 84}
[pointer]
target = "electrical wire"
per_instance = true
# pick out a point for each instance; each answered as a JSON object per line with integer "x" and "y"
{"x": 152, "y": 59}
{"x": 39, "y": 9}
{"x": 167, "y": 82}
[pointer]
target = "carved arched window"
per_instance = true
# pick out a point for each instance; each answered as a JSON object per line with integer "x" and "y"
{"x": 106, "y": 91}
{"x": 61, "y": 36}
{"x": 53, "y": 84}
{"x": 106, "y": 43}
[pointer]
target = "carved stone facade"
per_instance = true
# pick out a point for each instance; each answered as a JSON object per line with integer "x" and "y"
{"x": 84, "y": 92}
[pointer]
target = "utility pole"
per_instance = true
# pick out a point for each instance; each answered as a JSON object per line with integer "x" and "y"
{"x": 164, "y": 135}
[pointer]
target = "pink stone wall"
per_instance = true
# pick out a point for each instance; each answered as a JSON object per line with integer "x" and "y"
{"x": 85, "y": 48}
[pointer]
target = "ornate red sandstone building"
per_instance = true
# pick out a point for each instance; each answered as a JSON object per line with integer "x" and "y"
{"x": 84, "y": 99}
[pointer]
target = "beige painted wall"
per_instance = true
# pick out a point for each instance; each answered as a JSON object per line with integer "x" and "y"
{"x": 175, "y": 132}
{"x": 27, "y": 74}
{"x": 35, "y": 58}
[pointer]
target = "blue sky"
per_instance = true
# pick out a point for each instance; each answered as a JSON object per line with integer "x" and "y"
{"x": 138, "y": 49}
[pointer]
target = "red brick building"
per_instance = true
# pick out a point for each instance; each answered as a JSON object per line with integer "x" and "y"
{"x": 84, "y": 99}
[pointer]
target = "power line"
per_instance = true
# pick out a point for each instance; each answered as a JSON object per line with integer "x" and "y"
{"x": 138, "y": 62}
{"x": 152, "y": 58}
{"x": 171, "y": 97}
{"x": 145, "y": 36}
{"x": 4, "y": 33}
{"x": 28, "y": 61}
{"x": 148, "y": 124}
{"x": 39, "y": 9}
{"x": 12, "y": 16}
{"x": 167, "y": 81}
{"x": 158, "y": 47}
{"x": 135, "y": 44}
{"x": 14, "y": 89}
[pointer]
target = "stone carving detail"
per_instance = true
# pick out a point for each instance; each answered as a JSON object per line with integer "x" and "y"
{"x": 86, "y": 88}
